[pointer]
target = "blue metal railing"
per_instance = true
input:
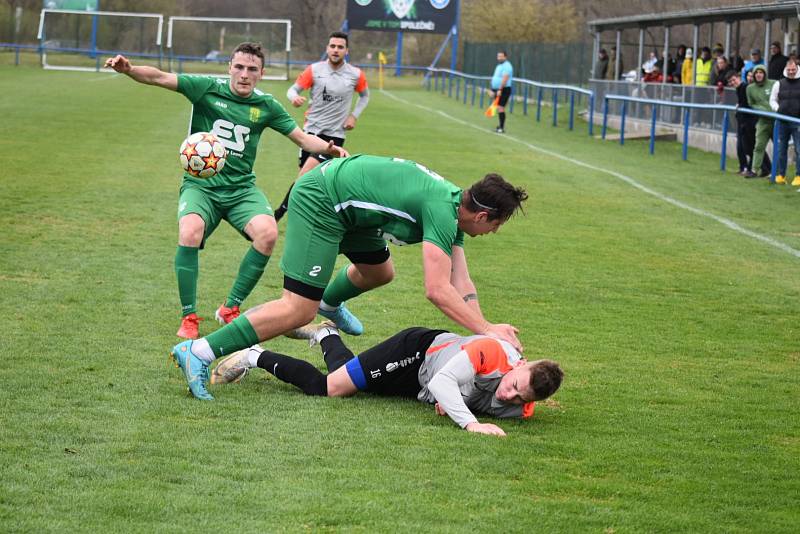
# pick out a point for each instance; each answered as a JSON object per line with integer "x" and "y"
{"x": 687, "y": 106}
{"x": 458, "y": 84}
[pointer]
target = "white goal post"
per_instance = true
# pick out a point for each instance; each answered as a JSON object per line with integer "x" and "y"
{"x": 84, "y": 38}
{"x": 192, "y": 50}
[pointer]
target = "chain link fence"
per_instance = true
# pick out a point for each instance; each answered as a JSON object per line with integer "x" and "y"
{"x": 568, "y": 63}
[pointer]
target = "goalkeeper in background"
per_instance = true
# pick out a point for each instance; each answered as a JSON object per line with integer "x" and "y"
{"x": 332, "y": 83}
{"x": 237, "y": 113}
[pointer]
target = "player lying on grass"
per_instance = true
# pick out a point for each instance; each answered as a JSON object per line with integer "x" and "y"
{"x": 354, "y": 206}
{"x": 237, "y": 113}
{"x": 460, "y": 374}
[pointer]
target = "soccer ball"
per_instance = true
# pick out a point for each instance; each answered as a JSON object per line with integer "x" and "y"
{"x": 202, "y": 155}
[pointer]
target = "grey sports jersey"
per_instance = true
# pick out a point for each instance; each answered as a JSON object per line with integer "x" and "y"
{"x": 475, "y": 364}
{"x": 331, "y": 96}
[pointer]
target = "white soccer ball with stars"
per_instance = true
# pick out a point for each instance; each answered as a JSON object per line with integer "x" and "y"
{"x": 202, "y": 155}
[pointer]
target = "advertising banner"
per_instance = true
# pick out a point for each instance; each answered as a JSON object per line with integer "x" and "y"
{"x": 424, "y": 16}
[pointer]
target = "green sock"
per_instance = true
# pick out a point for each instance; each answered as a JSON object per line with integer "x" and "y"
{"x": 186, "y": 269}
{"x": 236, "y": 335}
{"x": 250, "y": 271}
{"x": 340, "y": 289}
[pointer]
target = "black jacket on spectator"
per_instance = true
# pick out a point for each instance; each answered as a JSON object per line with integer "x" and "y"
{"x": 789, "y": 97}
{"x": 776, "y": 65}
{"x": 720, "y": 76}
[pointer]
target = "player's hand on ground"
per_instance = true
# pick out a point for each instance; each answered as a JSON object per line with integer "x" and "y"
{"x": 350, "y": 122}
{"x": 298, "y": 101}
{"x": 119, "y": 63}
{"x": 439, "y": 409}
{"x": 337, "y": 151}
{"x": 485, "y": 428}
{"x": 506, "y": 332}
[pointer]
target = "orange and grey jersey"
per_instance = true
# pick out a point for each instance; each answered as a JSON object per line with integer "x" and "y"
{"x": 463, "y": 373}
{"x": 331, "y": 96}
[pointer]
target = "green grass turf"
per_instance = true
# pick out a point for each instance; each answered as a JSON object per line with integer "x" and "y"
{"x": 678, "y": 335}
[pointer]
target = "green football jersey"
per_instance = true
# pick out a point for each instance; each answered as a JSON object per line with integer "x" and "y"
{"x": 403, "y": 201}
{"x": 237, "y": 121}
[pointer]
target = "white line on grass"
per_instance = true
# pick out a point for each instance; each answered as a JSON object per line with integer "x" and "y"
{"x": 627, "y": 179}
{"x": 108, "y": 76}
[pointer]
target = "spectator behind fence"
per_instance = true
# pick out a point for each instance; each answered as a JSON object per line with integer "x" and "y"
{"x": 601, "y": 67}
{"x": 704, "y": 65}
{"x": 647, "y": 66}
{"x": 720, "y": 73}
{"x": 758, "y": 94}
{"x": 753, "y": 62}
{"x": 777, "y": 62}
{"x": 676, "y": 68}
{"x": 745, "y": 128}
{"x": 737, "y": 63}
{"x": 687, "y": 70}
{"x": 785, "y": 99}
{"x": 717, "y": 51}
{"x": 654, "y": 76}
{"x": 610, "y": 74}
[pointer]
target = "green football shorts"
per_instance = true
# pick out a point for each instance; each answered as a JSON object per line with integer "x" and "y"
{"x": 315, "y": 234}
{"x": 237, "y": 206}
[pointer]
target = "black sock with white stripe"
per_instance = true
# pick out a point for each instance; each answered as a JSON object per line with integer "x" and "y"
{"x": 299, "y": 373}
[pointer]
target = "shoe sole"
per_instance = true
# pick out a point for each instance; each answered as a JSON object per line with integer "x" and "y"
{"x": 224, "y": 377}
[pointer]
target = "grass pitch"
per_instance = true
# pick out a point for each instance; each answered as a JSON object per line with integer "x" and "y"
{"x": 678, "y": 333}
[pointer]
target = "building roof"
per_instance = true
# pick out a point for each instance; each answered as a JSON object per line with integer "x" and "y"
{"x": 760, "y": 11}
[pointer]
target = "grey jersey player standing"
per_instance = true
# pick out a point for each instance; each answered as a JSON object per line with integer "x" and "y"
{"x": 331, "y": 83}
{"x": 459, "y": 374}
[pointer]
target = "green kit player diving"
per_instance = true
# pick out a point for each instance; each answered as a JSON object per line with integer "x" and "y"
{"x": 237, "y": 113}
{"x": 354, "y": 206}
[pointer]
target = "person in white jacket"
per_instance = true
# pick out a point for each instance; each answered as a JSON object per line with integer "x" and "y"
{"x": 785, "y": 99}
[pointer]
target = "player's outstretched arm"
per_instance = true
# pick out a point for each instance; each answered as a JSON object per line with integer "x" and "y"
{"x": 315, "y": 145}
{"x": 143, "y": 73}
{"x": 441, "y": 292}
{"x": 445, "y": 388}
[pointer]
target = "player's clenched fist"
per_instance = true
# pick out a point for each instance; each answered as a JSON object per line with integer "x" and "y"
{"x": 119, "y": 63}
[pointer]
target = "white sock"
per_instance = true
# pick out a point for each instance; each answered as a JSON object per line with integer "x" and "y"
{"x": 324, "y": 332}
{"x": 324, "y": 306}
{"x": 202, "y": 350}
{"x": 253, "y": 354}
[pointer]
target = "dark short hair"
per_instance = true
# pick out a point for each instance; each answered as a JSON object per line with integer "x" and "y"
{"x": 503, "y": 52}
{"x": 777, "y": 44}
{"x": 253, "y": 49}
{"x": 340, "y": 35}
{"x": 546, "y": 376}
{"x": 498, "y": 198}
{"x": 705, "y": 49}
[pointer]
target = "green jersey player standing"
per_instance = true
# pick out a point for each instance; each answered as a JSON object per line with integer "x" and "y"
{"x": 236, "y": 112}
{"x": 354, "y": 206}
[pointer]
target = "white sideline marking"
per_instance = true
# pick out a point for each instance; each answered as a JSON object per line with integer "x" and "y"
{"x": 103, "y": 77}
{"x": 627, "y": 179}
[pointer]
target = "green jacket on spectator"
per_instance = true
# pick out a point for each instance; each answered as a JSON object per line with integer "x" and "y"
{"x": 758, "y": 93}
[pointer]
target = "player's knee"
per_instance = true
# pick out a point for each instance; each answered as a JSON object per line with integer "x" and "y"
{"x": 385, "y": 275}
{"x": 190, "y": 231}
{"x": 264, "y": 234}
{"x": 317, "y": 386}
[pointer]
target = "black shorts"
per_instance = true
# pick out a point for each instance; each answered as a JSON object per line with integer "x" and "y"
{"x": 338, "y": 141}
{"x": 392, "y": 367}
{"x": 505, "y": 93}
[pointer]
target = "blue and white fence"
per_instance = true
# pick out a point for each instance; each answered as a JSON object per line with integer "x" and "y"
{"x": 472, "y": 88}
{"x": 687, "y": 108}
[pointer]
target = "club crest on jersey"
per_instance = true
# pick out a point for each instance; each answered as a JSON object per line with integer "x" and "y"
{"x": 255, "y": 113}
